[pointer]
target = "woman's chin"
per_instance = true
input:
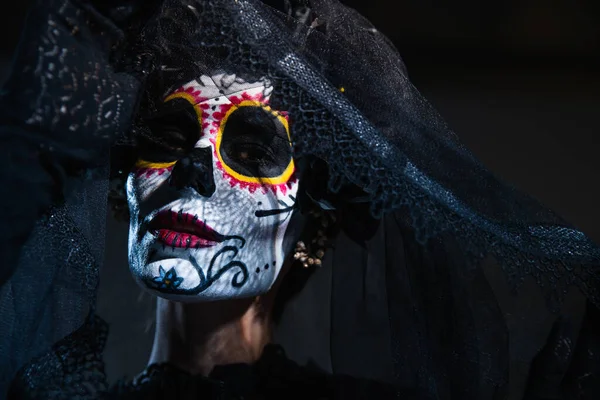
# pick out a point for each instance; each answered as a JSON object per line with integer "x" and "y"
{"x": 182, "y": 280}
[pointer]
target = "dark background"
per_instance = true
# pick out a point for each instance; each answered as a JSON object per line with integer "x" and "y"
{"x": 518, "y": 80}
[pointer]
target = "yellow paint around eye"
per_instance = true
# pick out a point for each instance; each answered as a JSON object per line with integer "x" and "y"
{"x": 147, "y": 164}
{"x": 278, "y": 180}
{"x": 179, "y": 95}
{"x": 342, "y": 89}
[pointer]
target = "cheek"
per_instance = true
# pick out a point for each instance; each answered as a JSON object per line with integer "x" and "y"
{"x": 142, "y": 182}
{"x": 274, "y": 210}
{"x": 237, "y": 210}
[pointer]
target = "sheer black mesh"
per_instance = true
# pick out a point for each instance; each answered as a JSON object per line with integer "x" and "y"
{"x": 74, "y": 369}
{"x": 55, "y": 281}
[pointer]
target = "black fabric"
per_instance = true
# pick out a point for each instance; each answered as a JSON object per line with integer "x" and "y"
{"x": 72, "y": 369}
{"x": 49, "y": 294}
{"x": 272, "y": 377}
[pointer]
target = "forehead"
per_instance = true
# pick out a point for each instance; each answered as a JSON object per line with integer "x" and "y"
{"x": 223, "y": 88}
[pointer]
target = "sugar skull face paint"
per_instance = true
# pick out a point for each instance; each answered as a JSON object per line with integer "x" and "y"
{"x": 213, "y": 195}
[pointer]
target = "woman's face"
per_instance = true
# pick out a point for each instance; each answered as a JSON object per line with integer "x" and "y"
{"x": 212, "y": 196}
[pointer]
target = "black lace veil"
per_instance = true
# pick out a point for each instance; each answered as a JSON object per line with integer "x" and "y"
{"x": 411, "y": 291}
{"x": 352, "y": 105}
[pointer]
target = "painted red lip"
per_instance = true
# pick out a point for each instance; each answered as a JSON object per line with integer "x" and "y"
{"x": 177, "y": 229}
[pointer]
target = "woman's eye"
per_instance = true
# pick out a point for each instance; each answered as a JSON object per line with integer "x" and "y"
{"x": 163, "y": 144}
{"x": 171, "y": 138}
{"x": 171, "y": 134}
{"x": 254, "y": 143}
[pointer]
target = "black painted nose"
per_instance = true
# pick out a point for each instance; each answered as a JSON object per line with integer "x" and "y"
{"x": 195, "y": 171}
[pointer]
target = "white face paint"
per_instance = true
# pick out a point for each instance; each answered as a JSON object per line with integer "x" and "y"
{"x": 208, "y": 221}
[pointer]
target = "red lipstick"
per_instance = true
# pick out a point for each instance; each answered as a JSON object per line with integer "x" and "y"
{"x": 177, "y": 229}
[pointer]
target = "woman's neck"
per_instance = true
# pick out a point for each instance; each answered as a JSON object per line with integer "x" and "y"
{"x": 198, "y": 336}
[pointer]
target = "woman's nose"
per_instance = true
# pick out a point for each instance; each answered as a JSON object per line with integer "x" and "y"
{"x": 195, "y": 171}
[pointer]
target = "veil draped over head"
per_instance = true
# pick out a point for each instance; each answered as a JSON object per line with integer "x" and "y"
{"x": 442, "y": 278}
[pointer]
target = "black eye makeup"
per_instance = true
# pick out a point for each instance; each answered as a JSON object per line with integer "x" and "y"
{"x": 254, "y": 143}
{"x": 173, "y": 132}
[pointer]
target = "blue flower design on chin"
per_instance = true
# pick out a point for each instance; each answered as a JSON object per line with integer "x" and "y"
{"x": 168, "y": 279}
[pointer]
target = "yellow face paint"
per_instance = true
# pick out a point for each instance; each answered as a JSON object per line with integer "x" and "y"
{"x": 152, "y": 165}
{"x": 141, "y": 163}
{"x": 277, "y": 180}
